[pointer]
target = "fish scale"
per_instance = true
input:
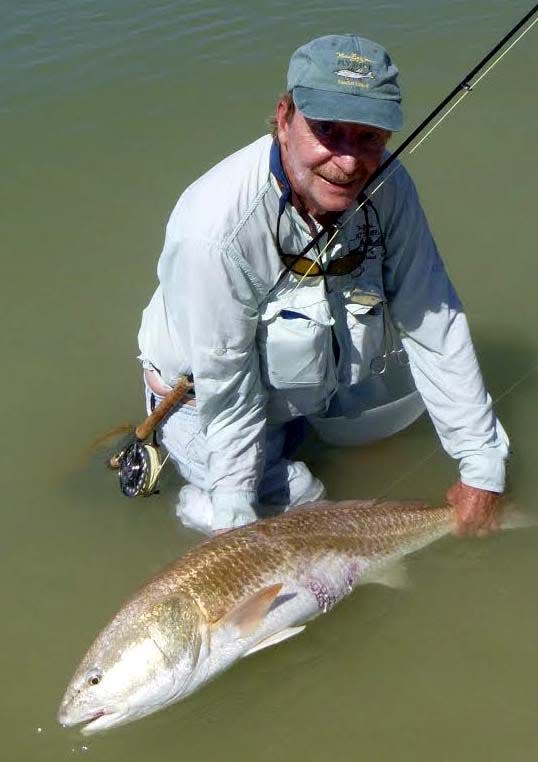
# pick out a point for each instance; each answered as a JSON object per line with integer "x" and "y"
{"x": 221, "y": 571}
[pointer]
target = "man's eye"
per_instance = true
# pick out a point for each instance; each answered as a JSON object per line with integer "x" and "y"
{"x": 323, "y": 129}
{"x": 374, "y": 137}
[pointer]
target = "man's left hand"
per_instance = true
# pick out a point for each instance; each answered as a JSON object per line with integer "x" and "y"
{"x": 476, "y": 509}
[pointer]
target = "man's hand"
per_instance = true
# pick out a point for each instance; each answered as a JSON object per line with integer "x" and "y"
{"x": 476, "y": 509}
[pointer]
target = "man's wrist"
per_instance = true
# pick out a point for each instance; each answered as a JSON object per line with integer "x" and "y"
{"x": 483, "y": 472}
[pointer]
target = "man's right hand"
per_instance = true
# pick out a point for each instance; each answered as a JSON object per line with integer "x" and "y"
{"x": 476, "y": 509}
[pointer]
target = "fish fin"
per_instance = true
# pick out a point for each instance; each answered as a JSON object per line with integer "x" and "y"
{"x": 281, "y": 599}
{"x": 278, "y": 637}
{"x": 248, "y": 614}
{"x": 317, "y": 504}
{"x": 394, "y": 575}
{"x": 513, "y": 518}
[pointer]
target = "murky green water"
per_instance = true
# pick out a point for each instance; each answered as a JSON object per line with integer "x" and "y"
{"x": 109, "y": 110}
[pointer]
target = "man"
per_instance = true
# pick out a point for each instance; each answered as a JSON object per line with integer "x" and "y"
{"x": 280, "y": 287}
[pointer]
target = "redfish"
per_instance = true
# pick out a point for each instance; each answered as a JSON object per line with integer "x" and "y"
{"x": 236, "y": 594}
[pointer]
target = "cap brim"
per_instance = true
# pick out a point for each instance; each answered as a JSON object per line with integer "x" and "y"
{"x": 341, "y": 107}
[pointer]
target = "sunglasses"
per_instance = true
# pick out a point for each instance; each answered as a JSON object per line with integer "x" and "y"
{"x": 302, "y": 265}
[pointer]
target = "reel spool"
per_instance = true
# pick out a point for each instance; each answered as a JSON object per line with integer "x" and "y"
{"x": 139, "y": 467}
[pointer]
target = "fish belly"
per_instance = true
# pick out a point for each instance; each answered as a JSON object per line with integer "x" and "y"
{"x": 313, "y": 590}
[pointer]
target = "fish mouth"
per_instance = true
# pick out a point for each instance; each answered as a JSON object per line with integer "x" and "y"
{"x": 92, "y": 723}
{"x": 100, "y": 721}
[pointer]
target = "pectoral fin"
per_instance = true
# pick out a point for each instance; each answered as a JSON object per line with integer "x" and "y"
{"x": 278, "y": 637}
{"x": 248, "y": 614}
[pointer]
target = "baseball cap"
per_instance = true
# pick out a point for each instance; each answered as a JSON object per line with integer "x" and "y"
{"x": 346, "y": 78}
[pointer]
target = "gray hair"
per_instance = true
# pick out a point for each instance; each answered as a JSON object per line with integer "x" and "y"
{"x": 287, "y": 98}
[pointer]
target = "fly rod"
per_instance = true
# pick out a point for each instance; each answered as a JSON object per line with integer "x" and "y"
{"x": 464, "y": 87}
{"x": 138, "y": 463}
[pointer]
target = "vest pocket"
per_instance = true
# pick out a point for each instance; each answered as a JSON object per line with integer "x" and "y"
{"x": 365, "y": 324}
{"x": 295, "y": 344}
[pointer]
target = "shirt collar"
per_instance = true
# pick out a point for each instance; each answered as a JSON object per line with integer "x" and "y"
{"x": 275, "y": 165}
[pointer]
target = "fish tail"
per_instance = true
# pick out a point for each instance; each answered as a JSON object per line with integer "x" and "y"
{"x": 515, "y": 518}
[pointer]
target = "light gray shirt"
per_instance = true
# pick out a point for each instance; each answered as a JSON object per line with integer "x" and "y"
{"x": 258, "y": 340}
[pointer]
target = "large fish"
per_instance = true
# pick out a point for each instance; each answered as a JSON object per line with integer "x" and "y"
{"x": 235, "y": 594}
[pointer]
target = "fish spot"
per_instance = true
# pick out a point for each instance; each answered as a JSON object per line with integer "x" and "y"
{"x": 324, "y": 598}
{"x": 352, "y": 577}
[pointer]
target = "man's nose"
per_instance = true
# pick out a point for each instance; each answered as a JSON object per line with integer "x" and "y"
{"x": 348, "y": 162}
{"x": 351, "y": 158}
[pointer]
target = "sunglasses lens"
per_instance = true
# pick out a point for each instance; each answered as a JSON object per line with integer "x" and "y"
{"x": 301, "y": 265}
{"x": 346, "y": 264}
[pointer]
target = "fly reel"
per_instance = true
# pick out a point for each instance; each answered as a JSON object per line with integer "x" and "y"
{"x": 139, "y": 467}
{"x": 139, "y": 464}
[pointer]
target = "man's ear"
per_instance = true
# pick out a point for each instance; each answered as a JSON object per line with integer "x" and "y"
{"x": 282, "y": 122}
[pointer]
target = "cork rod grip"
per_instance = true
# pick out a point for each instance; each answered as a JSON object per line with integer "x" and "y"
{"x": 144, "y": 429}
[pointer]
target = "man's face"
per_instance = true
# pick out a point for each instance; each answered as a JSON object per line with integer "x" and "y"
{"x": 328, "y": 163}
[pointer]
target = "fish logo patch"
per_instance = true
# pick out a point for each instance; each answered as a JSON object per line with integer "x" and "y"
{"x": 354, "y": 74}
{"x": 353, "y": 69}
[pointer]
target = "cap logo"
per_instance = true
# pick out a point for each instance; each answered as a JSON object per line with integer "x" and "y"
{"x": 354, "y": 67}
{"x": 355, "y": 74}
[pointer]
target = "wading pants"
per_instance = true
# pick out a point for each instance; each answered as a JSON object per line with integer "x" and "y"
{"x": 285, "y": 483}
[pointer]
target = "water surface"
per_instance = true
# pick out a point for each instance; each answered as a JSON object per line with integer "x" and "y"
{"x": 109, "y": 110}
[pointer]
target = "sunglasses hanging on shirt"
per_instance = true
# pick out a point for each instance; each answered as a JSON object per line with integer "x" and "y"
{"x": 299, "y": 263}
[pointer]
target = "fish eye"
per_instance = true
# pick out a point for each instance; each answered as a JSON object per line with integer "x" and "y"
{"x": 94, "y": 676}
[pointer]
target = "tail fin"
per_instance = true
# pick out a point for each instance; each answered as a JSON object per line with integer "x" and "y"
{"x": 514, "y": 518}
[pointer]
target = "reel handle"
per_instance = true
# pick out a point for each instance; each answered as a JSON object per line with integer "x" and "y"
{"x": 144, "y": 429}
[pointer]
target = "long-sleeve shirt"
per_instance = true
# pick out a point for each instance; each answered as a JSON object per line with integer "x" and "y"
{"x": 259, "y": 341}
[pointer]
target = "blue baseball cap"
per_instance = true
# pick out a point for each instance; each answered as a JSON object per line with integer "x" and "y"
{"x": 346, "y": 78}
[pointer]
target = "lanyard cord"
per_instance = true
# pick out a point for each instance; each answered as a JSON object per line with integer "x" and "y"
{"x": 276, "y": 168}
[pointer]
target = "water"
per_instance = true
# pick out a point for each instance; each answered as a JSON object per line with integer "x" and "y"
{"x": 109, "y": 110}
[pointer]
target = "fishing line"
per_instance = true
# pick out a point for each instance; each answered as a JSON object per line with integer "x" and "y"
{"x": 438, "y": 448}
{"x": 467, "y": 86}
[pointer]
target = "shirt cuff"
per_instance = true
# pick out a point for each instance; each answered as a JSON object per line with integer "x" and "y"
{"x": 484, "y": 472}
{"x": 233, "y": 509}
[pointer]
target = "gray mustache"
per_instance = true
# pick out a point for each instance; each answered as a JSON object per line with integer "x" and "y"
{"x": 340, "y": 178}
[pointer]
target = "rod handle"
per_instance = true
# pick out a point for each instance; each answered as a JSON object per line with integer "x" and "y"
{"x": 144, "y": 429}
